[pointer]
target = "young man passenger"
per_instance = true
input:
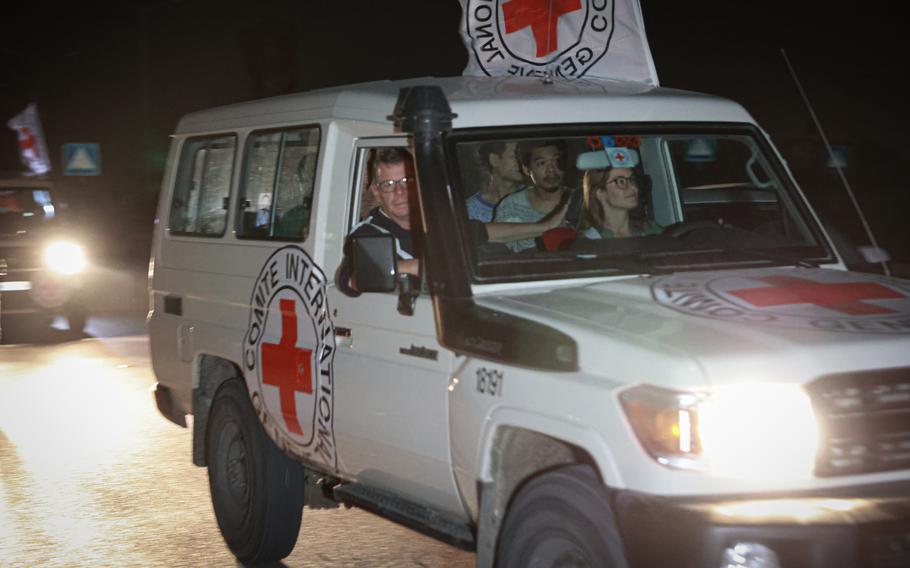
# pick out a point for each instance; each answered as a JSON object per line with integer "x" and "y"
{"x": 393, "y": 184}
{"x": 541, "y": 161}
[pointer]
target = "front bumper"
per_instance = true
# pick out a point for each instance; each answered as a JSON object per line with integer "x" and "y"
{"x": 166, "y": 406}
{"x": 869, "y": 528}
{"x": 38, "y": 292}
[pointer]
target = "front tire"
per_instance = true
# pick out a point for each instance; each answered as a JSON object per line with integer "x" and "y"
{"x": 76, "y": 319}
{"x": 563, "y": 519}
{"x": 257, "y": 491}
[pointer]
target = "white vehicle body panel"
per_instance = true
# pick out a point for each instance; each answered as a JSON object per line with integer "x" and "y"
{"x": 625, "y": 339}
{"x": 415, "y": 419}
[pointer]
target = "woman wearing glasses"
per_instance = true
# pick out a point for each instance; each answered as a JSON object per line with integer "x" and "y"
{"x": 610, "y": 203}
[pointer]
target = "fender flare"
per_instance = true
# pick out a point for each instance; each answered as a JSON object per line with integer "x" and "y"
{"x": 209, "y": 372}
{"x": 571, "y": 433}
{"x": 494, "y": 500}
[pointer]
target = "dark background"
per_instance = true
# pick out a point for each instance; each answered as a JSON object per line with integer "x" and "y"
{"x": 122, "y": 73}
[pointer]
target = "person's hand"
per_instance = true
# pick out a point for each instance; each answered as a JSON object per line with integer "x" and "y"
{"x": 554, "y": 219}
{"x": 411, "y": 266}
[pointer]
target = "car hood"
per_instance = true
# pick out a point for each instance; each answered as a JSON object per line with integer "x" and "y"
{"x": 773, "y": 324}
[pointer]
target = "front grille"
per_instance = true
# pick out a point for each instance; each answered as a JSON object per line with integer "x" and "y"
{"x": 886, "y": 547}
{"x": 865, "y": 421}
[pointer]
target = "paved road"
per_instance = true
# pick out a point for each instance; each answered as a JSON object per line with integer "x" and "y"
{"x": 92, "y": 475}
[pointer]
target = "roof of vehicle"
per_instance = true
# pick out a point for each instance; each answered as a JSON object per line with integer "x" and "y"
{"x": 479, "y": 101}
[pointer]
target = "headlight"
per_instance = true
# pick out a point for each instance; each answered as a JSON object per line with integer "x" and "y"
{"x": 765, "y": 431}
{"x": 65, "y": 257}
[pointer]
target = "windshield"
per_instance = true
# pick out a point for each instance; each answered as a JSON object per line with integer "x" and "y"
{"x": 624, "y": 200}
{"x": 23, "y": 209}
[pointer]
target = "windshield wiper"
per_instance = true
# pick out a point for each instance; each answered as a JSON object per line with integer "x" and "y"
{"x": 620, "y": 263}
{"x": 691, "y": 260}
{"x": 665, "y": 262}
{"x": 776, "y": 256}
{"x": 719, "y": 257}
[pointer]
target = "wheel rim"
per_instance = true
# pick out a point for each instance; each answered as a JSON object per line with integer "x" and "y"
{"x": 558, "y": 551}
{"x": 237, "y": 475}
{"x": 237, "y": 470}
{"x": 562, "y": 519}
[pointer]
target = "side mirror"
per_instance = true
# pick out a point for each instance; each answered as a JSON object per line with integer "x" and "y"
{"x": 376, "y": 270}
{"x": 374, "y": 263}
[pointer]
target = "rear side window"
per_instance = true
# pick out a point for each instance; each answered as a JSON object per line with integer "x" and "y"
{"x": 276, "y": 195}
{"x": 199, "y": 205}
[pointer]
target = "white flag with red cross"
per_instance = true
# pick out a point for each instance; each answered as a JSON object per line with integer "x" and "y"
{"x": 32, "y": 149}
{"x": 567, "y": 39}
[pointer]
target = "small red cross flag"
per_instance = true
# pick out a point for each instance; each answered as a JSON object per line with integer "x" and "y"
{"x": 32, "y": 149}
{"x": 567, "y": 39}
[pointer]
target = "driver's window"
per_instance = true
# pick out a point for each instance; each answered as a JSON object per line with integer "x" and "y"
{"x": 368, "y": 201}
{"x": 390, "y": 164}
{"x": 384, "y": 202}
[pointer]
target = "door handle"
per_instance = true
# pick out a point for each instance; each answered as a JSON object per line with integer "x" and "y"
{"x": 173, "y": 305}
{"x": 343, "y": 337}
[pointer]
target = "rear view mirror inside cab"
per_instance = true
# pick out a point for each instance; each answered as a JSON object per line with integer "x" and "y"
{"x": 374, "y": 261}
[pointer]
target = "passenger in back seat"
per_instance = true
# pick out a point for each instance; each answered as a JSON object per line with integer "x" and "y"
{"x": 500, "y": 159}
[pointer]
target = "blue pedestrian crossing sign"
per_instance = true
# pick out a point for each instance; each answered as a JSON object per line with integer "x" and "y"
{"x": 82, "y": 159}
{"x": 701, "y": 150}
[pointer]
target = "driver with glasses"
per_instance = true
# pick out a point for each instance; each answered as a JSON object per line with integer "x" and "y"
{"x": 392, "y": 183}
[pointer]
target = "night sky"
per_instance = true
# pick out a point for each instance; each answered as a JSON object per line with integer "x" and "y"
{"x": 122, "y": 73}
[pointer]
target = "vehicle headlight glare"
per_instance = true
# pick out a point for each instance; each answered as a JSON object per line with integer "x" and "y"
{"x": 761, "y": 431}
{"x": 765, "y": 431}
{"x": 65, "y": 257}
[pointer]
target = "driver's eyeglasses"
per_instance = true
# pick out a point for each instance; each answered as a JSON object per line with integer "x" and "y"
{"x": 389, "y": 185}
{"x": 624, "y": 182}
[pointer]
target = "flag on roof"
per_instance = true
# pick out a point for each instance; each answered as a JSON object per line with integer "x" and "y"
{"x": 32, "y": 149}
{"x": 567, "y": 39}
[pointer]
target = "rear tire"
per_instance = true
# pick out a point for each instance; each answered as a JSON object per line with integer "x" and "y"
{"x": 561, "y": 518}
{"x": 257, "y": 491}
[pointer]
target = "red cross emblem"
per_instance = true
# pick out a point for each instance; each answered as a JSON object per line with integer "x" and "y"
{"x": 846, "y": 297}
{"x": 288, "y": 367}
{"x": 541, "y": 16}
{"x": 27, "y": 140}
{"x": 620, "y": 157}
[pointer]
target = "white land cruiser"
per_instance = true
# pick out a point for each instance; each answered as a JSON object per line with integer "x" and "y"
{"x": 714, "y": 390}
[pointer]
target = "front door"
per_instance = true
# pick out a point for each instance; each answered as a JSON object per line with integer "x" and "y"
{"x": 392, "y": 381}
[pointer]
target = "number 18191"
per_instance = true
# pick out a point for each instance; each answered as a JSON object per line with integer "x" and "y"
{"x": 489, "y": 381}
